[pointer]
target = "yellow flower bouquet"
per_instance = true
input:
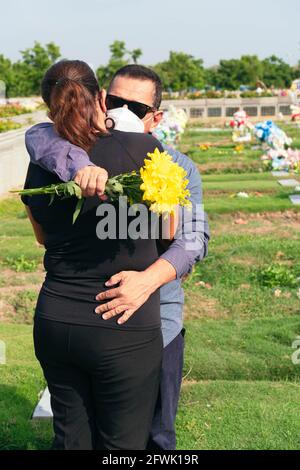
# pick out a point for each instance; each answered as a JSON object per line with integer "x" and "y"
{"x": 161, "y": 184}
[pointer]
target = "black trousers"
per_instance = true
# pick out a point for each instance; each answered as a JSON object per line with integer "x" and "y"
{"x": 103, "y": 383}
{"x": 162, "y": 433}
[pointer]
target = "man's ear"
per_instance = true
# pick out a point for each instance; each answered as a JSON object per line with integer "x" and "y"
{"x": 156, "y": 119}
{"x": 102, "y": 99}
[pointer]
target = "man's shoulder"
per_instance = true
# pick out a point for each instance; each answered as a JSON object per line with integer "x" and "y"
{"x": 139, "y": 140}
{"x": 142, "y": 136}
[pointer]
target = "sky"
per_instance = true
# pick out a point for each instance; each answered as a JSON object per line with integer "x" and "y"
{"x": 211, "y": 29}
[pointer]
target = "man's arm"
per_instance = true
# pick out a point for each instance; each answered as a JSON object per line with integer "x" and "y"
{"x": 191, "y": 244}
{"x": 57, "y": 155}
{"x": 136, "y": 287}
{"x": 48, "y": 150}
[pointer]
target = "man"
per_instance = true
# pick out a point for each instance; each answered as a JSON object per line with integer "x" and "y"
{"x": 139, "y": 89}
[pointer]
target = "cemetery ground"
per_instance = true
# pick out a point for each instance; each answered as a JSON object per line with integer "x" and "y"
{"x": 241, "y": 388}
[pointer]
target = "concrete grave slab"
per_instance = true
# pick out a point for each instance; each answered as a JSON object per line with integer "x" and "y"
{"x": 295, "y": 199}
{"x": 43, "y": 409}
{"x": 289, "y": 183}
{"x": 280, "y": 173}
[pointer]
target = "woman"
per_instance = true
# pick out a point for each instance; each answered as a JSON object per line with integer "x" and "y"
{"x": 103, "y": 377}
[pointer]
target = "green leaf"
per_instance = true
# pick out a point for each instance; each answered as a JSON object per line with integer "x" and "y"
{"x": 78, "y": 209}
{"x": 52, "y": 197}
{"x": 77, "y": 191}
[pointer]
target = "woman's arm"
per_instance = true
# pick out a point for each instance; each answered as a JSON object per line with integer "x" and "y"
{"x": 69, "y": 162}
{"x": 37, "y": 228}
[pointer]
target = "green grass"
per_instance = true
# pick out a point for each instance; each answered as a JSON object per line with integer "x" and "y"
{"x": 242, "y": 398}
{"x": 255, "y": 204}
{"x": 265, "y": 193}
{"x": 222, "y": 158}
{"x": 8, "y": 125}
{"x": 246, "y": 350}
{"x": 11, "y": 110}
{"x": 10, "y": 207}
{"x": 21, "y": 382}
{"x": 239, "y": 416}
{"x": 24, "y": 305}
{"x": 232, "y": 269}
{"x": 237, "y": 185}
{"x": 16, "y": 236}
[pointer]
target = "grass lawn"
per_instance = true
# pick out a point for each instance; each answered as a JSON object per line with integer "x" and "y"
{"x": 241, "y": 388}
{"x": 222, "y": 156}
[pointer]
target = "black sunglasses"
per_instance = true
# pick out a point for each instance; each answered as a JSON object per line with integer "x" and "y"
{"x": 139, "y": 109}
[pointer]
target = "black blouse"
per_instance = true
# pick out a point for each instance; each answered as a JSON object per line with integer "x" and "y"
{"x": 76, "y": 261}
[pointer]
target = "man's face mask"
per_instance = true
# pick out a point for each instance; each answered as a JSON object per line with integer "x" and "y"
{"x": 122, "y": 119}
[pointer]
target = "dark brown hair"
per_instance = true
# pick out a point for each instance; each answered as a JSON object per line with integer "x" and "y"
{"x": 139, "y": 72}
{"x": 70, "y": 89}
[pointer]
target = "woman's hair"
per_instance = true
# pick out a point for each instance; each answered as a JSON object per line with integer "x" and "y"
{"x": 70, "y": 89}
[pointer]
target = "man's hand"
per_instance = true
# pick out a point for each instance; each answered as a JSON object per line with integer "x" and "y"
{"x": 92, "y": 181}
{"x": 134, "y": 290}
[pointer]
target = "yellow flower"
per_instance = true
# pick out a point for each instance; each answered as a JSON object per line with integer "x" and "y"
{"x": 204, "y": 147}
{"x": 239, "y": 148}
{"x": 164, "y": 183}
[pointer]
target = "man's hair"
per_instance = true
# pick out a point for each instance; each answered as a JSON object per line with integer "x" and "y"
{"x": 139, "y": 72}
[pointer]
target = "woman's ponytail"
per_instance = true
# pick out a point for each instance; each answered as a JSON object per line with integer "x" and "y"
{"x": 70, "y": 89}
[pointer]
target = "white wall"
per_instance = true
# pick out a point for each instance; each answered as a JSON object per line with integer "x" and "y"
{"x": 14, "y": 160}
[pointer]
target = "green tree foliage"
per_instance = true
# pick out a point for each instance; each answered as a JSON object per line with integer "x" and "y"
{"x": 296, "y": 71}
{"x": 277, "y": 73}
{"x": 181, "y": 72}
{"x": 23, "y": 78}
{"x": 119, "y": 56}
{"x": 233, "y": 73}
{"x": 248, "y": 70}
{"x": 5, "y": 72}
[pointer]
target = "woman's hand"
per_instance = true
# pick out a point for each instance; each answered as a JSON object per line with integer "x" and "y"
{"x": 92, "y": 181}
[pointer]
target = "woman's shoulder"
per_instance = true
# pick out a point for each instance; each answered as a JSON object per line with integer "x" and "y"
{"x": 38, "y": 176}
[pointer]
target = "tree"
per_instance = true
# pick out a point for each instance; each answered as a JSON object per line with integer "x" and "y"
{"x": 277, "y": 73}
{"x": 233, "y": 73}
{"x": 119, "y": 57}
{"x": 34, "y": 64}
{"x": 248, "y": 70}
{"x": 23, "y": 78}
{"x": 296, "y": 71}
{"x": 5, "y": 72}
{"x": 136, "y": 54}
{"x": 181, "y": 72}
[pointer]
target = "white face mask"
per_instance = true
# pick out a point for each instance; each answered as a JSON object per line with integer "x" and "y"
{"x": 122, "y": 119}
